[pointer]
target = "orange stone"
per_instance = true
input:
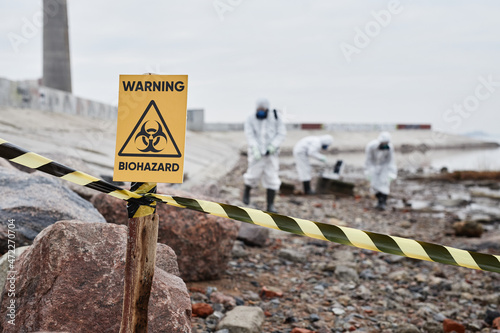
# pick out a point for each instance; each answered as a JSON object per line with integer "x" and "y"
{"x": 202, "y": 310}
{"x": 452, "y": 326}
{"x": 496, "y": 322}
{"x": 270, "y": 293}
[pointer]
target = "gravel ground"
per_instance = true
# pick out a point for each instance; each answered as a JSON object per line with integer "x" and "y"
{"x": 329, "y": 287}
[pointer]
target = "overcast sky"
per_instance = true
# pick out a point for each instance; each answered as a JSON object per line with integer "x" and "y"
{"x": 321, "y": 61}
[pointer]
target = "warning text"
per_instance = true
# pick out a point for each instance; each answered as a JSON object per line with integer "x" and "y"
{"x": 146, "y": 166}
{"x": 153, "y": 85}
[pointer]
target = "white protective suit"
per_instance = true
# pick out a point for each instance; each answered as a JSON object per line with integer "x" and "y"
{"x": 380, "y": 167}
{"x": 264, "y": 135}
{"x": 309, "y": 146}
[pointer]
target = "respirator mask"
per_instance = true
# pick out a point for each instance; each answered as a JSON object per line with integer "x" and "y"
{"x": 383, "y": 146}
{"x": 261, "y": 114}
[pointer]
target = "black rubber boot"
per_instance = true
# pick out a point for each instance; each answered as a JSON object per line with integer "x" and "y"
{"x": 379, "y": 200}
{"x": 307, "y": 187}
{"x": 383, "y": 204}
{"x": 270, "y": 201}
{"x": 338, "y": 165}
{"x": 246, "y": 195}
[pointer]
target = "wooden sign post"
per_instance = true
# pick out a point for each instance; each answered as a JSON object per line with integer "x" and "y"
{"x": 140, "y": 261}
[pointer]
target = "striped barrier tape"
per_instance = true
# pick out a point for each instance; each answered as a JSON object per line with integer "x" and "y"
{"x": 137, "y": 208}
{"x": 328, "y": 232}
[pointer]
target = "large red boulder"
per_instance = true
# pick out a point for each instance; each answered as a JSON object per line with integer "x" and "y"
{"x": 202, "y": 242}
{"x": 71, "y": 279}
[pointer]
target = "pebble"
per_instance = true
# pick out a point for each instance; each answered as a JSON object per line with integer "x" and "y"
{"x": 292, "y": 255}
{"x": 338, "y": 311}
{"x": 346, "y": 274}
{"x": 212, "y": 320}
{"x": 367, "y": 274}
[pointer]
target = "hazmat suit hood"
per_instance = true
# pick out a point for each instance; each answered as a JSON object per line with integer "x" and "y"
{"x": 384, "y": 137}
{"x": 262, "y": 103}
{"x": 326, "y": 140}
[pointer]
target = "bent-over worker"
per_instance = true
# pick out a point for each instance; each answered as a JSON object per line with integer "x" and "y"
{"x": 309, "y": 146}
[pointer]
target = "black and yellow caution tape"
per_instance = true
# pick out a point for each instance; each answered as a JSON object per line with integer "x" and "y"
{"x": 38, "y": 162}
{"x": 138, "y": 208}
{"x": 328, "y": 232}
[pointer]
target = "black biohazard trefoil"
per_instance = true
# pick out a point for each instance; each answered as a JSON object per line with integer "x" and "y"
{"x": 151, "y": 138}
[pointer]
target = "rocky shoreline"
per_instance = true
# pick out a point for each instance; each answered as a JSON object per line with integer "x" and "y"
{"x": 287, "y": 283}
{"x": 324, "y": 287}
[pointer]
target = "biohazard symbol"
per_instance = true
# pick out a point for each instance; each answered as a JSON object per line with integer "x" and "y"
{"x": 150, "y": 137}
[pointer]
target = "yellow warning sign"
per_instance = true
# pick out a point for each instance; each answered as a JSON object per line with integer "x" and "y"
{"x": 151, "y": 131}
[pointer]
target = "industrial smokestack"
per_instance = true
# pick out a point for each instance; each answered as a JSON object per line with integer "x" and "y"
{"x": 56, "y": 61}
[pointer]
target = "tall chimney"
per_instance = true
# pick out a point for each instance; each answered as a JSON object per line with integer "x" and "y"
{"x": 56, "y": 61}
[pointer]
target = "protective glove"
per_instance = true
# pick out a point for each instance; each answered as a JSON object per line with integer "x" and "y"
{"x": 256, "y": 153}
{"x": 391, "y": 177}
{"x": 323, "y": 159}
{"x": 270, "y": 150}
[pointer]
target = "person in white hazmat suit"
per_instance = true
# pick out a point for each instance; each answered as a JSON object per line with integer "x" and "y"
{"x": 309, "y": 146}
{"x": 265, "y": 131}
{"x": 380, "y": 167}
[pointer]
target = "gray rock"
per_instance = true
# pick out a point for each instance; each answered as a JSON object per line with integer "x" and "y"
{"x": 314, "y": 317}
{"x": 398, "y": 275}
{"x": 253, "y": 234}
{"x": 239, "y": 250}
{"x": 338, "y": 311}
{"x": 250, "y": 295}
{"x": 363, "y": 292}
{"x": 367, "y": 274}
{"x": 292, "y": 255}
{"x": 243, "y": 319}
{"x": 407, "y": 328}
{"x": 343, "y": 256}
{"x": 474, "y": 326}
{"x": 433, "y": 327}
{"x": 493, "y": 298}
{"x": 461, "y": 286}
{"x": 213, "y": 319}
{"x": 35, "y": 202}
{"x": 346, "y": 274}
